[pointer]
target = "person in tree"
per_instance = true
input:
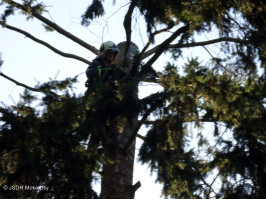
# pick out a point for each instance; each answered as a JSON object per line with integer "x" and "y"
{"x": 102, "y": 68}
{"x": 102, "y": 74}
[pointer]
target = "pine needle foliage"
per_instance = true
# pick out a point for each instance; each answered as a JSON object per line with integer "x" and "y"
{"x": 64, "y": 141}
{"x": 38, "y": 149}
{"x": 204, "y": 96}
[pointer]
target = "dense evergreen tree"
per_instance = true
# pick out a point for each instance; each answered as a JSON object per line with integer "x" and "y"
{"x": 42, "y": 139}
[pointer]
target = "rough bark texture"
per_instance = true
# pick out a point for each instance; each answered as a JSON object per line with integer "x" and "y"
{"x": 117, "y": 178}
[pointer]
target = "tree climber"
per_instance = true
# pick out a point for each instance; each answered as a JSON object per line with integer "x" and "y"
{"x": 102, "y": 68}
{"x": 103, "y": 105}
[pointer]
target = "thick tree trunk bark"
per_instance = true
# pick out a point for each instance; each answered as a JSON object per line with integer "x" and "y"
{"x": 117, "y": 178}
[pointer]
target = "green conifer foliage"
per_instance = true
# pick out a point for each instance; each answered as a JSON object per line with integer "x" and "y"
{"x": 38, "y": 148}
{"x": 66, "y": 141}
{"x": 203, "y": 96}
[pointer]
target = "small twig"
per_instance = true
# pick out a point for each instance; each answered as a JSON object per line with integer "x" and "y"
{"x": 210, "y": 185}
{"x": 224, "y": 68}
{"x": 141, "y": 137}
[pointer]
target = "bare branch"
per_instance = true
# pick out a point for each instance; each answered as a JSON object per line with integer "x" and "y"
{"x": 53, "y": 25}
{"x": 151, "y": 39}
{"x": 209, "y": 185}
{"x": 27, "y": 87}
{"x": 140, "y": 123}
{"x": 196, "y": 44}
{"x": 209, "y": 42}
{"x": 152, "y": 36}
{"x": 149, "y": 53}
{"x": 68, "y": 55}
{"x": 127, "y": 24}
{"x": 140, "y": 136}
{"x": 224, "y": 68}
{"x": 163, "y": 46}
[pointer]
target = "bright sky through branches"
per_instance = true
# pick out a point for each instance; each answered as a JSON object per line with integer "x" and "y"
{"x": 30, "y": 63}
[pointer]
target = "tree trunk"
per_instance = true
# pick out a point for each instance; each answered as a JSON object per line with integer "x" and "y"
{"x": 117, "y": 178}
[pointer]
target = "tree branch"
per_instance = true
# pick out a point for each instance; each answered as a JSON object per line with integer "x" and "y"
{"x": 217, "y": 40}
{"x": 68, "y": 55}
{"x": 208, "y": 185}
{"x": 151, "y": 39}
{"x": 152, "y": 36}
{"x": 196, "y": 44}
{"x": 200, "y": 120}
{"x": 53, "y": 25}
{"x": 140, "y": 123}
{"x": 140, "y": 136}
{"x": 144, "y": 117}
{"x": 27, "y": 87}
{"x": 164, "y": 45}
{"x": 127, "y": 24}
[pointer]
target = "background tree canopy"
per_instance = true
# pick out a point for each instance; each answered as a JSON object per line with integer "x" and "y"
{"x": 64, "y": 140}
